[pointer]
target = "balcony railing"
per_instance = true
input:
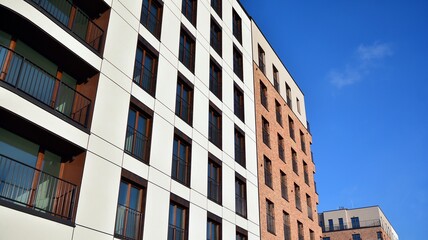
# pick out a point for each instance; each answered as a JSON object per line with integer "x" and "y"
{"x": 363, "y": 224}
{"x": 268, "y": 177}
{"x": 281, "y": 152}
{"x": 22, "y": 74}
{"x": 239, "y": 155}
{"x": 213, "y": 190}
{"x": 176, "y": 233}
{"x": 180, "y": 170}
{"x": 215, "y": 85}
{"x": 266, "y": 138}
{"x": 270, "y": 222}
{"x": 287, "y": 232}
{"x": 74, "y": 19}
{"x": 27, "y": 186}
{"x": 129, "y": 223}
{"x": 184, "y": 109}
{"x": 241, "y": 205}
{"x": 151, "y": 21}
{"x": 214, "y": 134}
{"x": 145, "y": 78}
{"x": 310, "y": 213}
{"x": 137, "y": 144}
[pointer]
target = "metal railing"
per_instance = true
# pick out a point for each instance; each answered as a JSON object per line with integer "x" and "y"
{"x": 239, "y": 110}
{"x": 215, "y": 85}
{"x": 268, "y": 176}
{"x": 74, "y": 19}
{"x": 183, "y": 109}
{"x": 270, "y": 219}
{"x": 239, "y": 155}
{"x": 362, "y": 224}
{"x": 137, "y": 144}
{"x": 241, "y": 205}
{"x": 27, "y": 186}
{"x": 180, "y": 170}
{"x": 186, "y": 57}
{"x": 214, "y": 134}
{"x": 129, "y": 223}
{"x": 266, "y": 138}
{"x": 151, "y": 21}
{"x": 281, "y": 152}
{"x": 24, "y": 75}
{"x": 144, "y": 77}
{"x": 176, "y": 233}
{"x": 213, "y": 190}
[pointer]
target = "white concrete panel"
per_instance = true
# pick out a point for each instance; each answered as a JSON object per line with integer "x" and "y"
{"x": 109, "y": 2}
{"x": 128, "y": 10}
{"x": 203, "y": 23}
{"x": 199, "y": 167}
{"x": 157, "y": 212}
{"x": 241, "y": 170}
{"x": 166, "y": 83}
{"x": 199, "y": 139}
{"x": 197, "y": 223}
{"x": 142, "y": 96}
{"x": 228, "y": 215}
{"x": 215, "y": 208}
{"x": 182, "y": 126}
{"x": 104, "y": 149}
{"x": 186, "y": 72}
{"x": 180, "y": 190}
{"x": 216, "y": 101}
{"x": 203, "y": 86}
{"x": 228, "y": 91}
{"x": 82, "y": 233}
{"x": 116, "y": 75}
{"x": 198, "y": 199}
{"x": 242, "y": 222}
{"x": 111, "y": 127}
{"x": 170, "y": 33}
{"x": 249, "y": 113}
{"x": 164, "y": 112}
{"x": 252, "y": 202}
{"x": 149, "y": 37}
{"x": 98, "y": 194}
{"x": 253, "y": 230}
{"x": 19, "y": 225}
{"x": 200, "y": 113}
{"x": 228, "y": 187}
{"x": 228, "y": 136}
{"x": 202, "y": 58}
{"x": 227, "y": 47}
{"x": 121, "y": 44}
{"x": 227, "y": 15}
{"x": 135, "y": 166}
{"x": 252, "y": 178}
{"x": 159, "y": 178}
{"x": 37, "y": 115}
{"x": 215, "y": 150}
{"x": 228, "y": 230}
{"x": 250, "y": 155}
{"x": 229, "y": 160}
{"x": 161, "y": 148}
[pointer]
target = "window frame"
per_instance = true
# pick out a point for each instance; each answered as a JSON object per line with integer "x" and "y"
{"x": 240, "y": 194}
{"x": 187, "y": 38}
{"x": 191, "y": 5}
{"x": 184, "y": 85}
{"x": 237, "y": 26}
{"x": 182, "y": 141}
{"x": 216, "y": 36}
{"x": 158, "y": 16}
{"x": 240, "y": 153}
{"x": 216, "y": 166}
{"x": 215, "y": 69}
{"x": 238, "y": 63}
{"x": 142, "y": 69}
{"x": 268, "y": 172}
{"x": 215, "y": 128}
{"x": 270, "y": 216}
{"x": 177, "y": 202}
{"x": 238, "y": 106}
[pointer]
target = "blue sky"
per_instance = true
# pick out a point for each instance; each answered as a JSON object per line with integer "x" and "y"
{"x": 363, "y": 66}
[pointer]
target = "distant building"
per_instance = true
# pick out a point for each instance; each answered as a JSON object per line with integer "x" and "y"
{"x": 360, "y": 223}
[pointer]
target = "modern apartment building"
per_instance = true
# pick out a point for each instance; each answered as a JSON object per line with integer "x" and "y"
{"x": 287, "y": 192}
{"x": 356, "y": 224}
{"x": 128, "y": 120}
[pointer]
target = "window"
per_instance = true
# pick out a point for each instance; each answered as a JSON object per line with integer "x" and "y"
{"x": 239, "y": 146}
{"x": 298, "y": 105}
{"x": 270, "y": 216}
{"x": 237, "y": 26}
{"x": 278, "y": 112}
{"x": 355, "y": 222}
{"x": 275, "y": 78}
{"x": 181, "y": 161}
{"x": 311, "y": 234}
{"x": 262, "y": 60}
{"x": 238, "y": 96}
{"x": 291, "y": 128}
{"x": 330, "y": 225}
{"x": 284, "y": 188}
{"x": 297, "y": 197}
{"x": 151, "y": 15}
{"x": 184, "y": 101}
{"x": 281, "y": 152}
{"x": 268, "y": 172}
{"x": 263, "y": 95}
{"x": 216, "y": 5}
{"x": 240, "y": 197}
{"x": 302, "y": 141}
{"x": 215, "y": 39}
{"x": 379, "y": 236}
{"x": 215, "y": 79}
{"x": 130, "y": 211}
{"x": 294, "y": 160}
{"x": 356, "y": 237}
{"x": 286, "y": 223}
{"x": 309, "y": 206}
{"x": 341, "y": 225}
{"x": 187, "y": 50}
{"x": 265, "y": 131}
{"x": 145, "y": 70}
{"x": 237, "y": 63}
{"x": 213, "y": 230}
{"x": 288, "y": 95}
{"x": 326, "y": 238}
{"x": 188, "y": 8}
{"x": 178, "y": 217}
{"x": 300, "y": 230}
{"x": 214, "y": 134}
{"x": 305, "y": 172}
{"x": 214, "y": 180}
{"x": 240, "y": 236}
{"x": 137, "y": 142}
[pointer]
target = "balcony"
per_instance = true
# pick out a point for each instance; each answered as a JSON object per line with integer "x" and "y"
{"x": 214, "y": 134}
{"x": 214, "y": 190}
{"x": 74, "y": 19}
{"x": 129, "y": 223}
{"x": 151, "y": 20}
{"x": 176, "y": 233}
{"x": 26, "y": 186}
{"x": 137, "y": 144}
{"x": 145, "y": 78}
{"x": 241, "y": 205}
{"x": 362, "y": 224}
{"x": 180, "y": 170}
{"x": 22, "y": 74}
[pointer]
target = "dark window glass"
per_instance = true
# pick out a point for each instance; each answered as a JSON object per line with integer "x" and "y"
{"x": 356, "y": 237}
{"x": 214, "y": 133}
{"x": 215, "y": 79}
{"x": 305, "y": 172}
{"x": 281, "y": 152}
{"x": 286, "y": 223}
{"x": 278, "y": 112}
{"x": 288, "y": 95}
{"x": 214, "y": 181}
{"x": 239, "y": 148}
{"x": 240, "y": 198}
{"x": 265, "y": 132}
{"x": 178, "y": 216}
{"x": 215, "y": 39}
{"x": 238, "y": 63}
{"x": 216, "y": 5}
{"x": 355, "y": 222}
{"x": 297, "y": 197}
{"x": 237, "y": 26}
{"x": 300, "y": 230}
{"x": 309, "y": 206}
{"x": 187, "y": 51}
{"x": 262, "y": 60}
{"x": 181, "y": 161}
{"x": 188, "y": 8}
{"x": 184, "y": 102}
{"x": 151, "y": 15}
{"x": 137, "y": 141}
{"x": 240, "y": 236}
{"x": 275, "y": 78}
{"x": 330, "y": 225}
{"x": 291, "y": 128}
{"x": 341, "y": 225}
{"x": 294, "y": 161}
{"x": 284, "y": 188}
{"x": 213, "y": 230}
{"x": 145, "y": 70}
{"x": 263, "y": 95}
{"x": 238, "y": 96}
{"x": 270, "y": 216}
{"x": 302, "y": 142}
{"x": 268, "y": 172}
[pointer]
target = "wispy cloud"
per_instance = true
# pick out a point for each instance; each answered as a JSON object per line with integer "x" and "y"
{"x": 366, "y": 59}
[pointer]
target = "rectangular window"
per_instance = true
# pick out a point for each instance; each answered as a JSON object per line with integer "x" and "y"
{"x": 216, "y": 5}
{"x": 284, "y": 188}
{"x": 263, "y": 95}
{"x": 240, "y": 236}
{"x": 356, "y": 237}
{"x": 188, "y": 8}
{"x": 187, "y": 50}
{"x": 379, "y": 236}
{"x": 302, "y": 142}
{"x": 300, "y": 230}
{"x": 278, "y": 112}
{"x": 330, "y": 225}
{"x": 270, "y": 216}
{"x": 286, "y": 223}
{"x": 184, "y": 101}
{"x": 215, "y": 38}
{"x": 239, "y": 147}
{"x": 309, "y": 206}
{"x": 275, "y": 78}
{"x": 298, "y": 105}
{"x": 262, "y": 60}
{"x": 355, "y": 222}
{"x": 138, "y": 132}
{"x": 237, "y": 26}
{"x": 240, "y": 197}
{"x": 214, "y": 181}
{"x": 291, "y": 128}
{"x": 213, "y": 230}
{"x": 181, "y": 161}
{"x": 281, "y": 152}
{"x": 268, "y": 172}
{"x": 215, "y": 79}
{"x": 297, "y": 197}
{"x": 214, "y": 134}
{"x": 130, "y": 211}
{"x": 178, "y": 217}
{"x": 151, "y": 15}
{"x": 145, "y": 70}
{"x": 238, "y": 96}
{"x": 311, "y": 234}
{"x": 288, "y": 95}
{"x": 265, "y": 132}
{"x": 305, "y": 172}
{"x": 341, "y": 225}
{"x": 326, "y": 238}
{"x": 294, "y": 160}
{"x": 238, "y": 63}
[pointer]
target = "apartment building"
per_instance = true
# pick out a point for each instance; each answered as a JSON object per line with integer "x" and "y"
{"x": 128, "y": 120}
{"x": 356, "y": 224}
{"x": 287, "y": 195}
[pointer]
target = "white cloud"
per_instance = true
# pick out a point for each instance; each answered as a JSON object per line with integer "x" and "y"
{"x": 373, "y": 52}
{"x": 345, "y": 77}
